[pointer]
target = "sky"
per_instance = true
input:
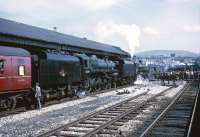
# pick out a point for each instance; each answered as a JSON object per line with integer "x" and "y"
{"x": 133, "y": 25}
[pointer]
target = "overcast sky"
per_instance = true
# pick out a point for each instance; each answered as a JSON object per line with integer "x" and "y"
{"x": 134, "y": 25}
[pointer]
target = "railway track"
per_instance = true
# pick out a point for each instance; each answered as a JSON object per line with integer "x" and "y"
{"x": 107, "y": 121}
{"x": 90, "y": 94}
{"x": 176, "y": 119}
{"x": 4, "y": 113}
{"x": 12, "y": 112}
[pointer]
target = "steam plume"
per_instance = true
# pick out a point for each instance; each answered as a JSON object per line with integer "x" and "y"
{"x": 130, "y": 33}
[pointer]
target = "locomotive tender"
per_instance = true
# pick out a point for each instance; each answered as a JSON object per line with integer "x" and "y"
{"x": 60, "y": 71}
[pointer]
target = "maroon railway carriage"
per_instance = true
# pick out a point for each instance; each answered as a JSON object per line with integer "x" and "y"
{"x": 15, "y": 75}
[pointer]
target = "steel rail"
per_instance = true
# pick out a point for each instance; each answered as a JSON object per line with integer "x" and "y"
{"x": 86, "y": 117}
{"x": 100, "y": 127}
{"x": 90, "y": 133}
{"x": 193, "y": 113}
{"x": 156, "y": 121}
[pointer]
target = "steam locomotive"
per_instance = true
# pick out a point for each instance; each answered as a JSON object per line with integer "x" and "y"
{"x": 59, "y": 74}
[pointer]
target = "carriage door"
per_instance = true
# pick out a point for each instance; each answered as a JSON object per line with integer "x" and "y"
{"x": 21, "y": 73}
{"x": 5, "y": 73}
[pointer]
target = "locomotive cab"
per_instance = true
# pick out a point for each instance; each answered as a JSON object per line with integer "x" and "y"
{"x": 128, "y": 71}
{"x": 84, "y": 59}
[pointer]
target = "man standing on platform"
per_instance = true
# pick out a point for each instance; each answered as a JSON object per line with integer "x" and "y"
{"x": 38, "y": 95}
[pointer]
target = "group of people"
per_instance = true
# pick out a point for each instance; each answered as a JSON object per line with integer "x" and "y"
{"x": 179, "y": 75}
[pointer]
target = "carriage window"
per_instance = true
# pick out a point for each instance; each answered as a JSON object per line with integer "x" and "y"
{"x": 21, "y": 70}
{"x": 1, "y": 65}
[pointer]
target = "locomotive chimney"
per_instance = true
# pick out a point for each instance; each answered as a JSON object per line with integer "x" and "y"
{"x": 55, "y": 29}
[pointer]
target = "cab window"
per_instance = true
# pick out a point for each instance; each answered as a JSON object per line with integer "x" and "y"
{"x": 21, "y": 70}
{"x": 86, "y": 63}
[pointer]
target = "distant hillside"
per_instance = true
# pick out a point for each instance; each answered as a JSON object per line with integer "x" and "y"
{"x": 166, "y": 53}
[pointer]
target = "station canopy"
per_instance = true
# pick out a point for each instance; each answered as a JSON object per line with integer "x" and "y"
{"x": 24, "y": 31}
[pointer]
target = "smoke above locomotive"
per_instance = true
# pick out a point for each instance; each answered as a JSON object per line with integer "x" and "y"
{"x": 130, "y": 34}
